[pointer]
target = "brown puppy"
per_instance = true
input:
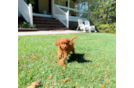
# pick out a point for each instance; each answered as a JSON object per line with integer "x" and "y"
{"x": 64, "y": 47}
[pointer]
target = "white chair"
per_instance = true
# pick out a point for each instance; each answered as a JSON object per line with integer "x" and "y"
{"x": 81, "y": 25}
{"x": 90, "y": 28}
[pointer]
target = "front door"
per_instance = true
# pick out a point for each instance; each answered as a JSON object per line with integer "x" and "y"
{"x": 50, "y": 6}
{"x": 34, "y": 5}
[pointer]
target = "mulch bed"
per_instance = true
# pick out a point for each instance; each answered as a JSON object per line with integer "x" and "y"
{"x": 27, "y": 29}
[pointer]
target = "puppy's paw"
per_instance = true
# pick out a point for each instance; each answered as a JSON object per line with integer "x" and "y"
{"x": 59, "y": 58}
{"x": 62, "y": 63}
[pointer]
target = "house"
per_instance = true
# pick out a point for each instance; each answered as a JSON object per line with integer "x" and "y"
{"x": 51, "y": 14}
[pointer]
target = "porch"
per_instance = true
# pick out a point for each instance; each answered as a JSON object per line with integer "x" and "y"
{"x": 66, "y": 11}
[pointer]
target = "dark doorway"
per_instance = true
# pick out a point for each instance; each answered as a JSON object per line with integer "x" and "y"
{"x": 66, "y": 3}
{"x": 34, "y": 5}
{"x": 50, "y": 7}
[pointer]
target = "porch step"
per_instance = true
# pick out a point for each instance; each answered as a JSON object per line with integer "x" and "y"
{"x": 47, "y": 22}
{"x": 44, "y": 23}
{"x": 52, "y": 29}
{"x": 49, "y": 25}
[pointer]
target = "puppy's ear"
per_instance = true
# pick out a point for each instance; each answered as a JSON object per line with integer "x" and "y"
{"x": 57, "y": 42}
{"x": 71, "y": 43}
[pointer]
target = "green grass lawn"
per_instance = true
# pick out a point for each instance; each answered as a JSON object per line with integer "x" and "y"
{"x": 93, "y": 66}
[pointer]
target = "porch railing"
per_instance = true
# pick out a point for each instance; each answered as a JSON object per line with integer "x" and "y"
{"x": 71, "y": 9}
{"x": 26, "y": 11}
{"x": 79, "y": 14}
{"x": 61, "y": 15}
{"x": 64, "y": 14}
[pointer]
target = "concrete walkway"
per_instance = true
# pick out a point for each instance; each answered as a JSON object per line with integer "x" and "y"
{"x": 47, "y": 32}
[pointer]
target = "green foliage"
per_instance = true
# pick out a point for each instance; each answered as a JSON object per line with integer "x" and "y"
{"x": 109, "y": 28}
{"x": 25, "y": 25}
{"x": 103, "y": 15}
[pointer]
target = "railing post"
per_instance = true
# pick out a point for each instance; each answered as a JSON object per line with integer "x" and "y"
{"x": 79, "y": 8}
{"x": 19, "y": 14}
{"x": 68, "y": 13}
{"x": 88, "y": 11}
{"x": 52, "y": 8}
{"x": 31, "y": 14}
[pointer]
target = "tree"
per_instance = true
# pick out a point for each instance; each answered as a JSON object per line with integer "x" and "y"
{"x": 105, "y": 8}
{"x": 103, "y": 12}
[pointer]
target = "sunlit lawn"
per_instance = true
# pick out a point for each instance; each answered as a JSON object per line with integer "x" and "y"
{"x": 93, "y": 66}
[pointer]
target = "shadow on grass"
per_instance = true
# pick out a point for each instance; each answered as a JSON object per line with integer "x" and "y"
{"x": 77, "y": 57}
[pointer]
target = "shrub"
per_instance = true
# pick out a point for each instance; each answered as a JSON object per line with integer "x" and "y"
{"x": 25, "y": 25}
{"x": 100, "y": 24}
{"x": 108, "y": 28}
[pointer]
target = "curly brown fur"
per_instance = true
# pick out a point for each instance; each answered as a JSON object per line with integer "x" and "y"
{"x": 64, "y": 47}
